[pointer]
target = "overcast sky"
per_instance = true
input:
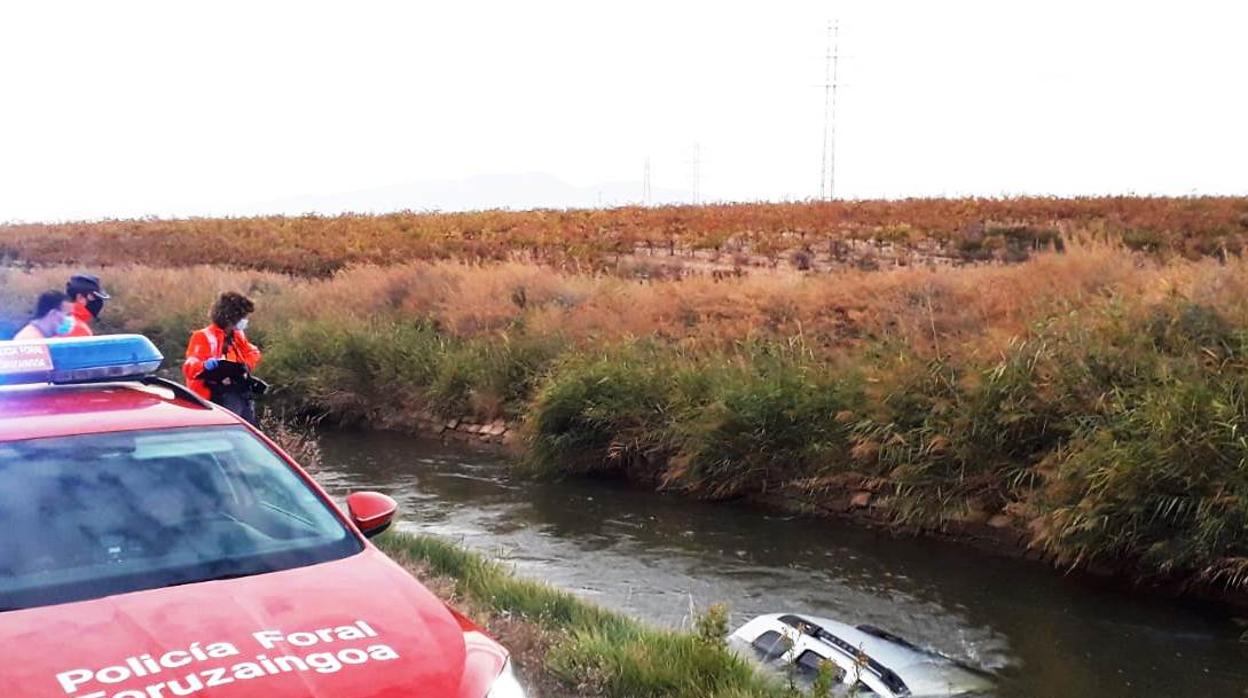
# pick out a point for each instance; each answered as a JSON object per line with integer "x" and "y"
{"x": 170, "y": 108}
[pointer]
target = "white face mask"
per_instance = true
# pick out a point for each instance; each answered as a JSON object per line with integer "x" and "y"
{"x": 242, "y": 325}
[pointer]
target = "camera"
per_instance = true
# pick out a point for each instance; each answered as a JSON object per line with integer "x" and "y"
{"x": 257, "y": 386}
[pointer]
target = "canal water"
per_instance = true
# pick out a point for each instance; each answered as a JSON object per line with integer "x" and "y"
{"x": 657, "y": 557}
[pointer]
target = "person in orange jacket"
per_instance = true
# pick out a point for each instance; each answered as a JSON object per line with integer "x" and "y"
{"x": 88, "y": 297}
{"x": 224, "y": 339}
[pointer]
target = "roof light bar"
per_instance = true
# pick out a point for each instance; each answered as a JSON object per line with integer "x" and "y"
{"x": 78, "y": 359}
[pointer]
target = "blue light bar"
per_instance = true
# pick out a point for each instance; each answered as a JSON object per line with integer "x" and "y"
{"x": 78, "y": 359}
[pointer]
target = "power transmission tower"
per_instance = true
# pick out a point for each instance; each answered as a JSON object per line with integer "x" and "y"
{"x": 827, "y": 174}
{"x": 645, "y": 185}
{"x": 697, "y": 173}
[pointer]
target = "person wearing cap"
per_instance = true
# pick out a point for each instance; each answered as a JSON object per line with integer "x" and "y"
{"x": 53, "y": 317}
{"x": 88, "y": 297}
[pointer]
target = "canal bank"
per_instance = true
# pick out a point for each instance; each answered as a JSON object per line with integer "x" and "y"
{"x": 865, "y": 501}
{"x": 1105, "y": 421}
{"x": 654, "y": 556}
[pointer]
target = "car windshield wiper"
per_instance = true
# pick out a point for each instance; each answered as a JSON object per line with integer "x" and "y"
{"x": 296, "y": 517}
{"x": 213, "y": 578}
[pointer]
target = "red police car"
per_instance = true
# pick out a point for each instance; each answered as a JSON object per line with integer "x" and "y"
{"x": 153, "y": 545}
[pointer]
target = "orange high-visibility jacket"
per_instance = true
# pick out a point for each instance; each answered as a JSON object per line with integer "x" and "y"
{"x": 209, "y": 343}
{"x": 82, "y": 322}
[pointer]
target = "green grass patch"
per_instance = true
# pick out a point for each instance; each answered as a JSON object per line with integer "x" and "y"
{"x": 377, "y": 372}
{"x": 597, "y": 652}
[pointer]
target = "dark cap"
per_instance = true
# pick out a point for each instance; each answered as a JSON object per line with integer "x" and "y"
{"x": 84, "y": 284}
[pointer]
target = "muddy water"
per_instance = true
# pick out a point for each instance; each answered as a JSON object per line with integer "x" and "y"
{"x": 656, "y": 556}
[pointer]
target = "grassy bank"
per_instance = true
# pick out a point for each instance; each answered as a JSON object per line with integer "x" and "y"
{"x": 1092, "y": 400}
{"x": 565, "y": 646}
{"x": 1114, "y": 439}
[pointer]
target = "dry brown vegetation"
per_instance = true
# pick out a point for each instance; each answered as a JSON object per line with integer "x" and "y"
{"x": 655, "y": 242}
{"x": 975, "y": 310}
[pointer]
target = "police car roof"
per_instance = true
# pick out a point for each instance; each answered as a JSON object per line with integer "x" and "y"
{"x": 41, "y": 411}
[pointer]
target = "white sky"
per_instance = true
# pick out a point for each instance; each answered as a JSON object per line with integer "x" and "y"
{"x": 170, "y": 108}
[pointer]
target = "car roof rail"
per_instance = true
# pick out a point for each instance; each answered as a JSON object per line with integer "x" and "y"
{"x": 885, "y": 635}
{"x": 178, "y": 389}
{"x": 887, "y": 676}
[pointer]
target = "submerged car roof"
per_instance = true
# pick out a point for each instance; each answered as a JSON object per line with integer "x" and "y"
{"x": 41, "y": 411}
{"x": 924, "y": 672}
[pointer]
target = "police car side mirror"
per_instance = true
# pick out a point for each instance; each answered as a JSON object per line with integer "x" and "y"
{"x": 371, "y": 512}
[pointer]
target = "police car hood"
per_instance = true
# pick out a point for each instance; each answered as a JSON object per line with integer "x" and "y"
{"x": 352, "y": 628}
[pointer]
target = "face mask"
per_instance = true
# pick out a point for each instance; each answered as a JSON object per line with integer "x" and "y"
{"x": 94, "y": 306}
{"x": 67, "y": 324}
{"x": 242, "y": 325}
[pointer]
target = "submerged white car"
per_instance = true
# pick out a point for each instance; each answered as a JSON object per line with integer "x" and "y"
{"x": 867, "y": 660}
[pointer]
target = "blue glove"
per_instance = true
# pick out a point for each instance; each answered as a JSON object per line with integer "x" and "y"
{"x": 211, "y": 364}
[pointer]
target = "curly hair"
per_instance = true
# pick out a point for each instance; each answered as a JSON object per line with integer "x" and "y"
{"x": 230, "y": 308}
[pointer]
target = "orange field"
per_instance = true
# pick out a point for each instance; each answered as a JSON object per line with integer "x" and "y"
{"x": 648, "y": 242}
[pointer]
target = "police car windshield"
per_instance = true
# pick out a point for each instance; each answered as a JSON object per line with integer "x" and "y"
{"x": 90, "y": 516}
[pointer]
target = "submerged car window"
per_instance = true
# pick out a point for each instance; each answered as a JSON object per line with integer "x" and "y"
{"x": 771, "y": 645}
{"x": 809, "y": 661}
{"x": 862, "y": 689}
{"x": 90, "y": 516}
